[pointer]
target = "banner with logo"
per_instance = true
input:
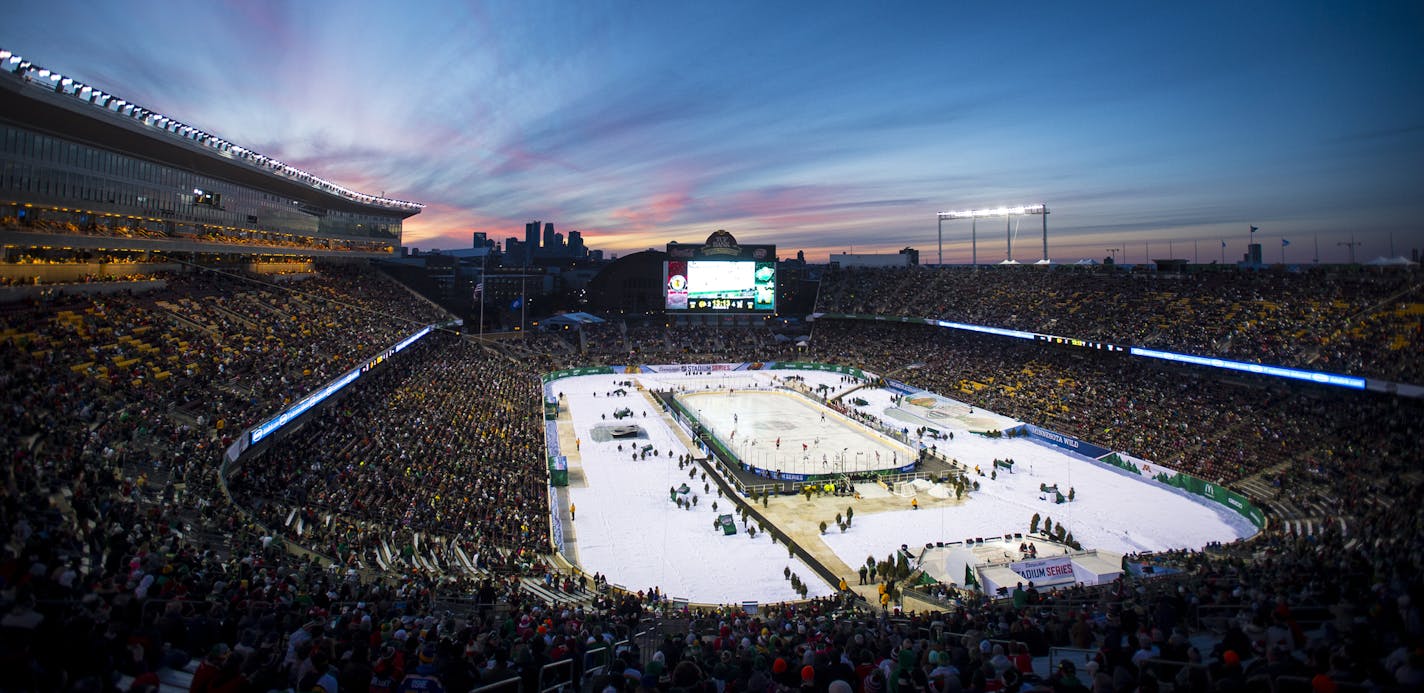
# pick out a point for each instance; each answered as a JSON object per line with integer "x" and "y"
{"x": 1059, "y": 440}
{"x": 1042, "y": 572}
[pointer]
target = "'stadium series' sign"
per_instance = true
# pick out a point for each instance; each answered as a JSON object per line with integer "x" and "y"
{"x": 720, "y": 276}
{"x": 1045, "y": 571}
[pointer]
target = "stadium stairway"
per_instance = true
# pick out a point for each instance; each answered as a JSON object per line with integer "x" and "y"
{"x": 1286, "y": 514}
{"x": 169, "y": 680}
{"x": 535, "y": 587}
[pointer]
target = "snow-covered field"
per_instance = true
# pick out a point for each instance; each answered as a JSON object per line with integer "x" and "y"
{"x": 629, "y": 530}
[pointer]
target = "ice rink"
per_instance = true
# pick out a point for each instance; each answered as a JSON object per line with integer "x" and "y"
{"x": 786, "y": 432}
{"x": 629, "y": 530}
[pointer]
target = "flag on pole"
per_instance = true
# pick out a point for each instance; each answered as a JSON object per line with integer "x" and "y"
{"x": 1284, "y": 242}
{"x": 479, "y": 289}
{"x": 1254, "y": 229}
{"x": 1223, "y": 244}
{"x": 969, "y": 579}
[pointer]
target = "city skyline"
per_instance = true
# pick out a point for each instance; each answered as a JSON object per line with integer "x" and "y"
{"x": 819, "y": 128}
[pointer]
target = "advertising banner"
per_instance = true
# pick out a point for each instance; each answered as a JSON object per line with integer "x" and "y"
{"x": 572, "y": 372}
{"x": 1045, "y": 571}
{"x": 1220, "y": 494}
{"x": 812, "y": 366}
{"x": 692, "y": 368}
{"x": 1059, "y": 440}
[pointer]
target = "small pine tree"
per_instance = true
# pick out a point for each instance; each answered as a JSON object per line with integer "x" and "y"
{"x": 787, "y": 572}
{"x": 994, "y": 474}
{"x": 1033, "y": 523}
{"x": 843, "y": 527}
{"x": 870, "y": 562}
{"x": 1071, "y": 493}
{"x": 838, "y": 518}
{"x": 850, "y": 513}
{"x": 1048, "y": 526}
{"x": 823, "y": 526}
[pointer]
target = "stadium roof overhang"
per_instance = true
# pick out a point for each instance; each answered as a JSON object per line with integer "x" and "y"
{"x": 72, "y": 119}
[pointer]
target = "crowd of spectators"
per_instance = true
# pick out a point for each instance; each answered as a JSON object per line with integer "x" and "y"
{"x": 1361, "y": 322}
{"x": 444, "y": 443}
{"x": 125, "y": 557}
{"x": 80, "y": 223}
{"x": 620, "y": 342}
{"x": 1216, "y": 430}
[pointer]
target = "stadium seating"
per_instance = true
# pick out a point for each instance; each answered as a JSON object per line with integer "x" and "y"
{"x": 406, "y": 526}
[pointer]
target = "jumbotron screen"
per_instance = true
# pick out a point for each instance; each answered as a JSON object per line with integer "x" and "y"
{"x": 720, "y": 285}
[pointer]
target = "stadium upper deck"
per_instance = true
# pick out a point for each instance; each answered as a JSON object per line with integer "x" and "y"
{"x": 81, "y": 164}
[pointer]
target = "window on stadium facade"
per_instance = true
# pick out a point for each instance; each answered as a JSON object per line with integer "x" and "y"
{"x": 45, "y": 170}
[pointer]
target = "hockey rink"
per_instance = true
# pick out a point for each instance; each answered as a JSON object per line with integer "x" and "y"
{"x": 628, "y": 528}
{"x": 786, "y": 432}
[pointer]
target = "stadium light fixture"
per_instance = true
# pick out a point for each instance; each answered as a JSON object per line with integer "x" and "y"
{"x": 66, "y": 85}
{"x": 973, "y": 215}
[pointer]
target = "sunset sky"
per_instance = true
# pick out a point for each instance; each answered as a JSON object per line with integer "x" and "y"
{"x": 819, "y": 126}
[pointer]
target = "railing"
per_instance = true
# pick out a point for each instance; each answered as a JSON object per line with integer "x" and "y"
{"x": 508, "y": 685}
{"x": 1168, "y": 670}
{"x": 556, "y": 675}
{"x": 1078, "y": 656}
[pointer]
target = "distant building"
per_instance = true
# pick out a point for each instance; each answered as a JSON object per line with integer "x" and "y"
{"x": 1253, "y": 254}
{"x": 630, "y": 284}
{"x": 551, "y": 244}
{"x": 531, "y": 241}
{"x": 905, "y": 258}
{"x": 577, "y": 250}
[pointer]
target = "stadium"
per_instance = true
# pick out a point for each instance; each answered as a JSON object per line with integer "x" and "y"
{"x": 244, "y": 446}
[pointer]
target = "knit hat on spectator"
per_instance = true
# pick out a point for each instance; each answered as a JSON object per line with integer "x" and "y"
{"x": 808, "y": 673}
{"x": 1322, "y": 683}
{"x": 779, "y": 666}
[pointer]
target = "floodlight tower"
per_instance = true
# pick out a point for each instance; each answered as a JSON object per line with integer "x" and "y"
{"x": 973, "y": 215}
